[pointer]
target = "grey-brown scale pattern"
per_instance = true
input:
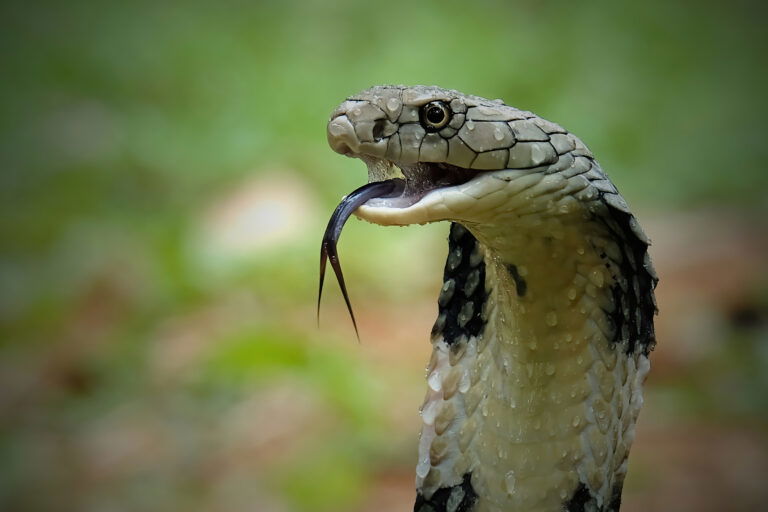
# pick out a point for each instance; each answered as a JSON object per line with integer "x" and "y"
{"x": 463, "y": 294}
{"x": 634, "y": 302}
{"x": 583, "y": 501}
{"x": 520, "y": 285}
{"x": 456, "y": 498}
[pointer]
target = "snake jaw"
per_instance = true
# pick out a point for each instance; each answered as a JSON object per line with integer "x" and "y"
{"x": 420, "y": 180}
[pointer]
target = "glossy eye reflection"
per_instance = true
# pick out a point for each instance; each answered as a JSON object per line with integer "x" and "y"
{"x": 435, "y": 115}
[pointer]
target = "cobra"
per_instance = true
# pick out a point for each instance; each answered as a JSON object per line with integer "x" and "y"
{"x": 545, "y": 316}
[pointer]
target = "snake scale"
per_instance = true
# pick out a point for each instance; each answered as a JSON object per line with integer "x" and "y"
{"x": 545, "y": 316}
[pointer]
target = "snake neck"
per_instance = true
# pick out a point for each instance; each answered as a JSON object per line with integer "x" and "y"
{"x": 536, "y": 374}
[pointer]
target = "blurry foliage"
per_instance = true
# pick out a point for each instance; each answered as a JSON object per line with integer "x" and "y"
{"x": 120, "y": 121}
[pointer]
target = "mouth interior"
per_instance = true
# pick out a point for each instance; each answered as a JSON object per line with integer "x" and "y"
{"x": 389, "y": 186}
{"x": 420, "y": 179}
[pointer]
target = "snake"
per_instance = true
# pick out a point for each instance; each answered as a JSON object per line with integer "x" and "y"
{"x": 545, "y": 318}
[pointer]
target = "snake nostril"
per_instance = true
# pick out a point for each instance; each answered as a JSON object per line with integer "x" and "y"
{"x": 378, "y": 129}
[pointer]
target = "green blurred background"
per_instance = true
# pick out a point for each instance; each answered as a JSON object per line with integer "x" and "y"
{"x": 165, "y": 183}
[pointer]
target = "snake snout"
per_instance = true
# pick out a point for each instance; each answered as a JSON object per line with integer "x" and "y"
{"x": 341, "y": 135}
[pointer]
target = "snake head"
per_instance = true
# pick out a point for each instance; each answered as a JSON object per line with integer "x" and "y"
{"x": 445, "y": 144}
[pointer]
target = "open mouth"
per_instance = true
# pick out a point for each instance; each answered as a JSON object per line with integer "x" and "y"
{"x": 386, "y": 191}
{"x": 419, "y": 179}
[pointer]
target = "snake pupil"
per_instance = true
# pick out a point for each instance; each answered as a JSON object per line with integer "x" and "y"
{"x": 435, "y": 115}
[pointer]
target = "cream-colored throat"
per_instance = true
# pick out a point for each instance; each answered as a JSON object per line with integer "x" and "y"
{"x": 532, "y": 396}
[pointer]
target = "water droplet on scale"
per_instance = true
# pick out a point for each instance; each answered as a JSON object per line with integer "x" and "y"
{"x": 393, "y": 104}
{"x": 510, "y": 481}
{"x": 597, "y": 278}
{"x": 470, "y": 125}
{"x": 551, "y": 319}
{"x": 498, "y": 134}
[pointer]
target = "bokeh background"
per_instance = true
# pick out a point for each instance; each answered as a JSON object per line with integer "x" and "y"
{"x": 165, "y": 184}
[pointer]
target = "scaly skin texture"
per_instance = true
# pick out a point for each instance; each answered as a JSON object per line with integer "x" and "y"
{"x": 545, "y": 318}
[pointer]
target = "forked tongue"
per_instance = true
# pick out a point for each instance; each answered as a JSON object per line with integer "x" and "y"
{"x": 348, "y": 205}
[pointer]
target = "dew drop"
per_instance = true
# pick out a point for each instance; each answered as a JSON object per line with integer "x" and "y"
{"x": 510, "y": 481}
{"x": 393, "y": 104}
{"x": 549, "y": 369}
{"x": 576, "y": 421}
{"x": 597, "y": 278}
{"x": 470, "y": 125}
{"x": 572, "y": 293}
{"x": 498, "y": 134}
{"x": 551, "y": 318}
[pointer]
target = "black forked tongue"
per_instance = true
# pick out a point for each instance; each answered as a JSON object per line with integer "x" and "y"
{"x": 348, "y": 205}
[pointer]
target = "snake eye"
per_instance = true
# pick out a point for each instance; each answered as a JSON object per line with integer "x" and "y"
{"x": 435, "y": 115}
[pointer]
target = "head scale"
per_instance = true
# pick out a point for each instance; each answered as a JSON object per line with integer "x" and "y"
{"x": 433, "y": 125}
